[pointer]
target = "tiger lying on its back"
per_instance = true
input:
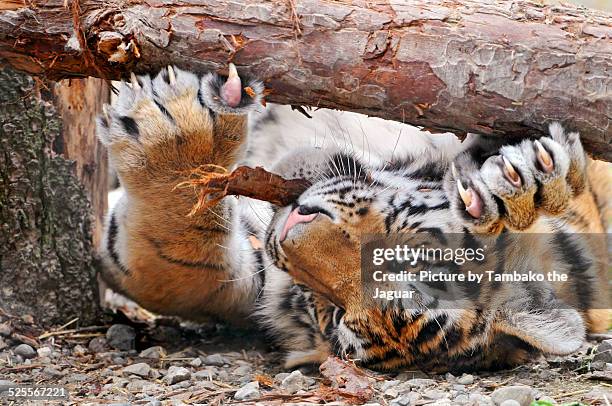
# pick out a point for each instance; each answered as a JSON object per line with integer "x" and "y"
{"x": 299, "y": 275}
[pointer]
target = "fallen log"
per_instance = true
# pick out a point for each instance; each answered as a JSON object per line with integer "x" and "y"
{"x": 495, "y": 67}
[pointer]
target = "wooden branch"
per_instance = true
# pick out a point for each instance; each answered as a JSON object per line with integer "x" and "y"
{"x": 256, "y": 183}
{"x": 495, "y": 67}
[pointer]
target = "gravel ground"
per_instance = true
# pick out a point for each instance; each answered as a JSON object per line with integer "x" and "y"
{"x": 162, "y": 362}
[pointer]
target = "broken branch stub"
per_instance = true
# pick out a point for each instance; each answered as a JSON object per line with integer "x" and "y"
{"x": 256, "y": 183}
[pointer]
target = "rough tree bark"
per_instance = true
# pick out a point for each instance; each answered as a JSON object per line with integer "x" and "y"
{"x": 493, "y": 67}
{"x": 47, "y": 261}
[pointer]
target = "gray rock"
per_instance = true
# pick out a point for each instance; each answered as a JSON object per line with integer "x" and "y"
{"x": 3, "y": 344}
{"x": 465, "y": 379}
{"x": 141, "y": 369}
{"x": 206, "y": 374}
{"x": 215, "y": 360}
{"x": 77, "y": 378}
{"x": 389, "y": 384}
{"x": 98, "y": 344}
{"x": 156, "y": 352}
{"x": 196, "y": 362}
{"x": 25, "y": 351}
{"x": 510, "y": 402}
{"x": 408, "y": 399}
{"x": 154, "y": 402}
{"x": 121, "y": 337}
{"x": 52, "y": 372}
{"x": 524, "y": 395}
{"x": 598, "y": 365}
{"x": 420, "y": 382}
{"x": 479, "y": 400}
{"x": 280, "y": 376}
{"x": 248, "y": 391}
{"x": 242, "y": 370}
{"x": 434, "y": 394}
{"x": 295, "y": 382}
{"x": 604, "y": 351}
{"x": 5, "y": 383}
{"x": 137, "y": 385}
{"x": 5, "y": 329}
{"x": 44, "y": 352}
{"x": 177, "y": 374}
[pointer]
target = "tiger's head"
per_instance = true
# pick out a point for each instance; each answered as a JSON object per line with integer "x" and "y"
{"x": 318, "y": 242}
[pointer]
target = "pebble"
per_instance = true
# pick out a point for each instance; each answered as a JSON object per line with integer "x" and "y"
{"x": 604, "y": 351}
{"x": 410, "y": 398}
{"x": 465, "y": 379}
{"x": 3, "y": 344}
{"x": 215, "y": 360}
{"x": 5, "y": 329}
{"x": 177, "y": 374}
{"x": 121, "y": 337}
{"x": 52, "y": 372}
{"x": 44, "y": 352}
{"x": 420, "y": 382}
{"x": 98, "y": 344}
{"x": 141, "y": 369}
{"x": 295, "y": 382}
{"x": 248, "y": 391}
{"x": 155, "y": 352}
{"x": 280, "y": 376}
{"x": 196, "y": 362}
{"x": 206, "y": 374}
{"x": 79, "y": 350}
{"x": 136, "y": 385}
{"x": 25, "y": 351}
{"x": 510, "y": 402}
{"x": 522, "y": 394}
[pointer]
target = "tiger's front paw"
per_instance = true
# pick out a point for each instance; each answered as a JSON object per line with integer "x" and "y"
{"x": 160, "y": 128}
{"x": 511, "y": 187}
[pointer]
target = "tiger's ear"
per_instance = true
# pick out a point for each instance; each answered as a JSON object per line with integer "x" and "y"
{"x": 552, "y": 330}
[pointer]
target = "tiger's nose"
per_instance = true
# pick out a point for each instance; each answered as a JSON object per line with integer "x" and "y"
{"x": 296, "y": 216}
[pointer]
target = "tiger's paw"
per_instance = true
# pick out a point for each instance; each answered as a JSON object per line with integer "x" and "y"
{"x": 511, "y": 187}
{"x": 161, "y": 127}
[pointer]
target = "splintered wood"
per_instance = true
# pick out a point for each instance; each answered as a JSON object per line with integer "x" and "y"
{"x": 212, "y": 183}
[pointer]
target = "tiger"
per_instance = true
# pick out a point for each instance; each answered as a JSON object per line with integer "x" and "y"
{"x": 295, "y": 272}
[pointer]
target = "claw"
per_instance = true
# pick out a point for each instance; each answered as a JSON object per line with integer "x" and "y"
{"x": 171, "y": 75}
{"x": 511, "y": 173}
{"x": 466, "y": 195}
{"x": 135, "y": 83}
{"x": 231, "y": 91}
{"x": 544, "y": 157}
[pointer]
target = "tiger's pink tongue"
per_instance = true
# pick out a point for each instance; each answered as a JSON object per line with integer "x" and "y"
{"x": 295, "y": 218}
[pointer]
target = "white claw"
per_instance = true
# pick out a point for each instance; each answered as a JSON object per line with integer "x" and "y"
{"x": 171, "y": 75}
{"x": 544, "y": 157}
{"x": 511, "y": 172}
{"x": 134, "y": 80}
{"x": 466, "y": 196}
{"x": 232, "y": 71}
{"x": 453, "y": 170}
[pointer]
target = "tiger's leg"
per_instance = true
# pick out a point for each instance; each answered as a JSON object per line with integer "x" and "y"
{"x": 156, "y": 132}
{"x": 529, "y": 187}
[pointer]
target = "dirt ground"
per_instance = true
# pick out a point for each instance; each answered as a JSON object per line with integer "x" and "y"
{"x": 142, "y": 360}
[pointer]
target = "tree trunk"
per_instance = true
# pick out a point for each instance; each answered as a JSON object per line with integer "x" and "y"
{"x": 47, "y": 254}
{"x": 493, "y": 67}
